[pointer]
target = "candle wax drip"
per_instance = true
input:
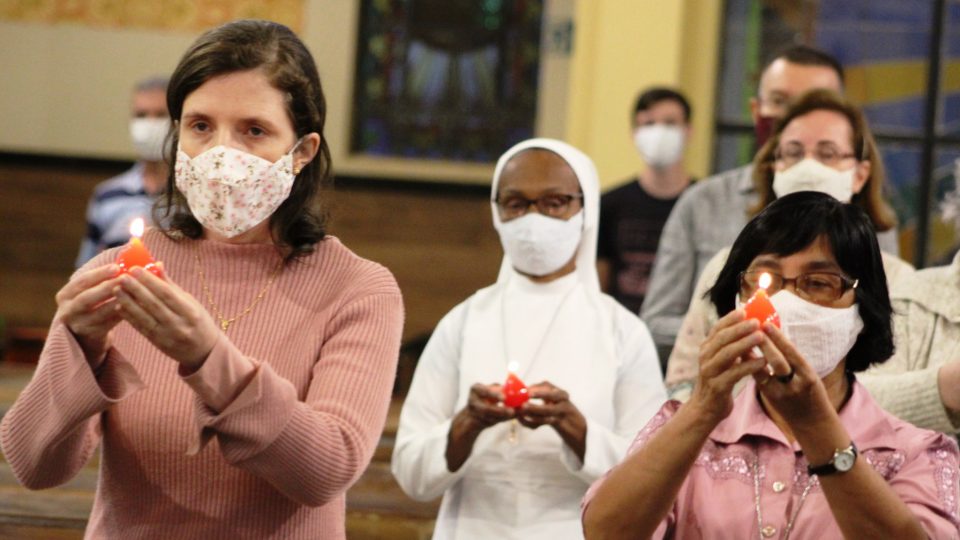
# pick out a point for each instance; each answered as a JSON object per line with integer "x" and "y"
{"x": 760, "y": 308}
{"x": 515, "y": 393}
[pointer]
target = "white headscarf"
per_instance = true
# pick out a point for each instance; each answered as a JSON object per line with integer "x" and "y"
{"x": 586, "y": 174}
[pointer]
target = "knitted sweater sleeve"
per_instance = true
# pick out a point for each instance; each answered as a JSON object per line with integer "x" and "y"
{"x": 53, "y": 427}
{"x": 907, "y": 384}
{"x": 310, "y": 449}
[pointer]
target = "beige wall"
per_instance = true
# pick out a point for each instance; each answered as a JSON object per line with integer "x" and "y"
{"x": 67, "y": 86}
{"x": 625, "y": 46}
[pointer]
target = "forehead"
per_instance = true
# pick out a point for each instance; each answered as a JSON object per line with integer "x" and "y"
{"x": 665, "y": 108}
{"x": 538, "y": 170}
{"x": 817, "y": 126}
{"x": 237, "y": 94}
{"x": 795, "y": 79}
{"x": 817, "y": 256}
{"x": 150, "y": 98}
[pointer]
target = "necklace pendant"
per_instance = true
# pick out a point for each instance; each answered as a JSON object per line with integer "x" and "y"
{"x": 224, "y": 325}
{"x": 513, "y": 431}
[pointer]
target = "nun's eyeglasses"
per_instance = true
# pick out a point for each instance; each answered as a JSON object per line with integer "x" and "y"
{"x": 552, "y": 205}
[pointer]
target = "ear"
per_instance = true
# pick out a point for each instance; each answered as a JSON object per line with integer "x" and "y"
{"x": 634, "y": 124}
{"x": 755, "y": 110}
{"x": 861, "y": 175}
{"x": 306, "y": 151}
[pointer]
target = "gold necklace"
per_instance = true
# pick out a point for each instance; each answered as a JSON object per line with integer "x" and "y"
{"x": 767, "y": 531}
{"x": 225, "y": 322}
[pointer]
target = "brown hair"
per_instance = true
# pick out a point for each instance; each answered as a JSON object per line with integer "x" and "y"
{"x": 871, "y": 197}
{"x": 299, "y": 223}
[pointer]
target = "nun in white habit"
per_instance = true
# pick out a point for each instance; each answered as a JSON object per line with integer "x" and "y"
{"x": 520, "y": 473}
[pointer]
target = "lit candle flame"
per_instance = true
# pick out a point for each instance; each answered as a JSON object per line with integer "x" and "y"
{"x": 512, "y": 367}
{"x": 136, "y": 228}
{"x": 765, "y": 279}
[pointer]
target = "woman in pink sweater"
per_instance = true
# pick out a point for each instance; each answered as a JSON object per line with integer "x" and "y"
{"x": 241, "y": 393}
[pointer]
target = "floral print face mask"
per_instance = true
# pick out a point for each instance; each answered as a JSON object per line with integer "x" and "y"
{"x": 231, "y": 191}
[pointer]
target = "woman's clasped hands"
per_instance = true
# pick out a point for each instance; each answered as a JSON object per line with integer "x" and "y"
{"x": 783, "y": 377}
{"x": 549, "y": 406}
{"x": 92, "y": 303}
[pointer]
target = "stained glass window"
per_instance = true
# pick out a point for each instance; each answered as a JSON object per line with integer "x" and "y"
{"x": 446, "y": 79}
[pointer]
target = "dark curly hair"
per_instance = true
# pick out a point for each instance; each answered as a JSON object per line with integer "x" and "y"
{"x": 299, "y": 223}
{"x": 792, "y": 223}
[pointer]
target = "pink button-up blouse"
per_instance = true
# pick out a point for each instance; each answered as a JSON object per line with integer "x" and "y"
{"x": 746, "y": 453}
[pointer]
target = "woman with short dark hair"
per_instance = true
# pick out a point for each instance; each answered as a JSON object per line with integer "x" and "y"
{"x": 822, "y": 144}
{"x": 241, "y": 390}
{"x": 803, "y": 450}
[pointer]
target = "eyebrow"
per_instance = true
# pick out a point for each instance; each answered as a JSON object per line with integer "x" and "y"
{"x": 257, "y": 120}
{"x": 194, "y": 116}
{"x": 822, "y": 265}
{"x": 812, "y": 266}
{"x": 765, "y": 261}
{"x": 547, "y": 191}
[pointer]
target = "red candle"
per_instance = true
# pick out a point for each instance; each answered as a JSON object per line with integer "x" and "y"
{"x": 515, "y": 393}
{"x": 135, "y": 253}
{"x": 759, "y": 307}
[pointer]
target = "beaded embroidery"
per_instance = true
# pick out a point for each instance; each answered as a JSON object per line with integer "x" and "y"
{"x": 886, "y": 463}
{"x": 945, "y": 475}
{"x": 723, "y": 463}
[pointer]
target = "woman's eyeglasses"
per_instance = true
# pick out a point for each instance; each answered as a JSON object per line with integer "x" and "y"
{"x": 829, "y": 154}
{"x": 817, "y": 287}
{"x": 552, "y": 205}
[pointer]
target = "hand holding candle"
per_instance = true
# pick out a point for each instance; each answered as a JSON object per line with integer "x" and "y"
{"x": 135, "y": 253}
{"x": 515, "y": 392}
{"x": 759, "y": 306}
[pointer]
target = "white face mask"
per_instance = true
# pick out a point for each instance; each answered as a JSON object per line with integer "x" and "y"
{"x": 659, "y": 145}
{"x": 538, "y": 245}
{"x": 231, "y": 191}
{"x": 148, "y": 135}
{"x": 823, "y": 335}
{"x": 811, "y": 175}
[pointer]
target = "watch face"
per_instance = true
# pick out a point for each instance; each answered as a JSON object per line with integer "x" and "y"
{"x": 844, "y": 461}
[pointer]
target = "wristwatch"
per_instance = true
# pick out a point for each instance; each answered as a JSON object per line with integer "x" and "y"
{"x": 841, "y": 462}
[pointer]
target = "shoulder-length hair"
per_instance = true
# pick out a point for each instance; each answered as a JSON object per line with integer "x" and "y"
{"x": 871, "y": 197}
{"x": 794, "y": 222}
{"x": 300, "y": 221}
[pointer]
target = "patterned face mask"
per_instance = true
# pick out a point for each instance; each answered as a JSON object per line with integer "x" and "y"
{"x": 231, "y": 191}
{"x": 823, "y": 335}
